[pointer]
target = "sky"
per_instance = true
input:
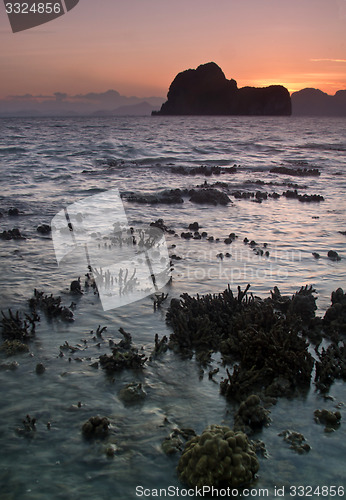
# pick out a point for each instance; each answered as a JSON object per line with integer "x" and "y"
{"x": 138, "y": 46}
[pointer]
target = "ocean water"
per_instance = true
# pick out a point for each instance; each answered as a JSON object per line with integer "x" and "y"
{"x": 50, "y": 163}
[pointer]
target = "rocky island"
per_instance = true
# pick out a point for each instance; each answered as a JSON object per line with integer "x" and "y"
{"x": 206, "y": 91}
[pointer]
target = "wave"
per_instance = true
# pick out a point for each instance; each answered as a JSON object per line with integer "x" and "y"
{"x": 12, "y": 150}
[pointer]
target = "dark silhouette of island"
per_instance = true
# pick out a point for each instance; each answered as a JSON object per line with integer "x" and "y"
{"x": 314, "y": 102}
{"x": 206, "y": 91}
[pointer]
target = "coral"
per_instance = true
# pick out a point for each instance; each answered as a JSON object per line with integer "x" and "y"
{"x": 335, "y": 317}
{"x": 254, "y": 332}
{"x": 297, "y": 441}
{"x": 12, "y": 347}
{"x": 132, "y": 393}
{"x": 50, "y": 305}
{"x": 331, "y": 365}
{"x": 330, "y": 419}
{"x": 218, "y": 457}
{"x": 124, "y": 355}
{"x": 251, "y": 415}
{"x": 96, "y": 427}
{"x": 14, "y": 328}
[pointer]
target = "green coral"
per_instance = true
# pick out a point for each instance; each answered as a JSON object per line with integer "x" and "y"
{"x": 12, "y": 347}
{"x": 218, "y": 457}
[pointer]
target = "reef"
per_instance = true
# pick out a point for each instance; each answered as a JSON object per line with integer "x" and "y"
{"x": 12, "y": 234}
{"x": 12, "y": 347}
{"x": 331, "y": 420}
{"x": 50, "y": 305}
{"x": 124, "y": 355}
{"x": 251, "y": 415}
{"x": 210, "y": 196}
{"x": 298, "y": 172}
{"x": 96, "y": 427}
{"x": 297, "y": 441}
{"x": 29, "y": 427}
{"x": 205, "y": 170}
{"x": 334, "y": 320}
{"x": 132, "y": 393}
{"x": 219, "y": 457}
{"x": 15, "y": 328}
{"x": 168, "y": 197}
{"x": 260, "y": 339}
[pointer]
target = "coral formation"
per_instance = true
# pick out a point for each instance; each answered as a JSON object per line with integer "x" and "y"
{"x": 124, "y": 355}
{"x": 50, "y": 305}
{"x": 251, "y": 415}
{"x": 263, "y": 336}
{"x": 218, "y": 457}
{"x": 297, "y": 441}
{"x": 330, "y": 419}
{"x": 14, "y": 328}
{"x": 132, "y": 393}
{"x": 12, "y": 347}
{"x": 96, "y": 427}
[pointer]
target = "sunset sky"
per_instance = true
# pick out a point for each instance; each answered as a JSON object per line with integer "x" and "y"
{"x": 137, "y": 46}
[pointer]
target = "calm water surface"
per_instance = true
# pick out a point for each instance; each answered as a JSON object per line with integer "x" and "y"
{"x": 47, "y": 164}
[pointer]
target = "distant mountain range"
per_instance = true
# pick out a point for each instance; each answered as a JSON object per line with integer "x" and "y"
{"x": 306, "y": 102}
{"x": 314, "y": 102}
{"x": 93, "y": 104}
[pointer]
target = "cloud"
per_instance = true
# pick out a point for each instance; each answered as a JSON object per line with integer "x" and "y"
{"x": 329, "y": 60}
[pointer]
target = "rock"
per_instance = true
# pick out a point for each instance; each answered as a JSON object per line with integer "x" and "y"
{"x": 206, "y": 91}
{"x": 40, "y": 368}
{"x": 13, "y": 212}
{"x": 219, "y": 457}
{"x": 332, "y": 255}
{"x": 210, "y": 196}
{"x": 44, "y": 229}
{"x": 194, "y": 226}
{"x": 132, "y": 393}
{"x": 75, "y": 287}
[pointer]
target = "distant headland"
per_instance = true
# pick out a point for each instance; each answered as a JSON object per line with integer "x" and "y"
{"x": 206, "y": 91}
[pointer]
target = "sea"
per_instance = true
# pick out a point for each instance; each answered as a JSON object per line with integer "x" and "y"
{"x": 49, "y": 164}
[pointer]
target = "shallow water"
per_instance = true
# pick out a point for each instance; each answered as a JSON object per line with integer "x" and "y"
{"x": 48, "y": 164}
